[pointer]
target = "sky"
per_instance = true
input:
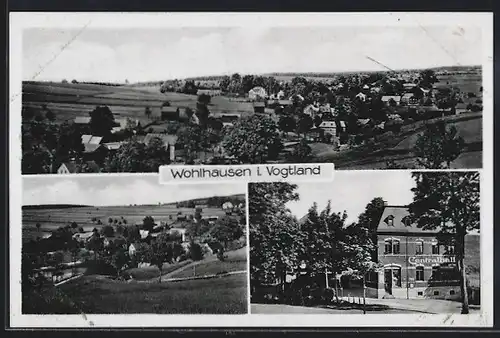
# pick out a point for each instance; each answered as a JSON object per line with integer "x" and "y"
{"x": 112, "y": 190}
{"x": 353, "y": 190}
{"x": 154, "y": 54}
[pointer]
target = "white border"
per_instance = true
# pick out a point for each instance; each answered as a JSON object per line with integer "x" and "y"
{"x": 20, "y": 21}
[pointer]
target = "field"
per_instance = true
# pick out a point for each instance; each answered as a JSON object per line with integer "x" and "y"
{"x": 51, "y": 219}
{"x": 235, "y": 261}
{"x": 68, "y": 100}
{"x": 400, "y": 148}
{"x": 96, "y": 295}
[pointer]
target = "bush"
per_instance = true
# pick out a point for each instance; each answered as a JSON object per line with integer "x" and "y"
{"x": 195, "y": 251}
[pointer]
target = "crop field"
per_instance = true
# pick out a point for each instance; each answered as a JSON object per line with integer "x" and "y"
{"x": 51, "y": 219}
{"x": 470, "y": 82}
{"x": 223, "y": 295}
{"x": 68, "y": 100}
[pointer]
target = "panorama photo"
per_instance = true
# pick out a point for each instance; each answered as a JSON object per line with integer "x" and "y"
{"x": 99, "y": 100}
{"x": 127, "y": 245}
{"x": 369, "y": 242}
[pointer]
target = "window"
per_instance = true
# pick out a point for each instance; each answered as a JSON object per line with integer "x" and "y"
{"x": 419, "y": 273}
{"x": 392, "y": 246}
{"x": 450, "y": 250}
{"x": 452, "y": 292}
{"x": 419, "y": 247}
{"x": 406, "y": 221}
{"x": 435, "y": 273}
{"x": 435, "y": 248}
{"x": 420, "y": 293}
{"x": 436, "y": 293}
{"x": 389, "y": 220}
{"x": 395, "y": 246}
{"x": 388, "y": 246}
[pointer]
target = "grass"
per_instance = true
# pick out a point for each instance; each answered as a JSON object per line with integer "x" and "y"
{"x": 224, "y": 295}
{"x": 236, "y": 261}
{"x": 150, "y": 272}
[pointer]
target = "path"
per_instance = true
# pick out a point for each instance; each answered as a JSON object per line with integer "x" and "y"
{"x": 190, "y": 265}
{"x": 293, "y": 309}
{"x": 420, "y": 305}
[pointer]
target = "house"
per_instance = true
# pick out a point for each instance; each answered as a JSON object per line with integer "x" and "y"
{"x": 329, "y": 127}
{"x": 366, "y": 87}
{"x": 286, "y": 103}
{"x": 325, "y": 109}
{"x": 132, "y": 250}
{"x": 375, "y": 90}
{"x": 211, "y": 92}
{"x": 409, "y": 98}
{"x": 228, "y": 207}
{"x": 311, "y": 110}
{"x": 91, "y": 143}
{"x": 461, "y": 108}
{"x": 168, "y": 140}
{"x": 298, "y": 97}
{"x": 277, "y": 96}
{"x": 364, "y": 122}
{"x": 144, "y": 234}
{"x": 112, "y": 146}
{"x": 82, "y": 120}
{"x": 259, "y": 107}
{"x": 67, "y": 168}
{"x": 361, "y": 96}
{"x": 315, "y": 135}
{"x": 387, "y": 99}
{"x": 414, "y": 263}
{"x": 180, "y": 231}
{"x": 83, "y": 237}
{"x": 342, "y": 126}
{"x": 409, "y": 86}
{"x": 169, "y": 113}
{"x": 257, "y": 93}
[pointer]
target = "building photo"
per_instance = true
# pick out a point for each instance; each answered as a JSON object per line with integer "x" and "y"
{"x": 368, "y": 242}
{"x": 128, "y": 245}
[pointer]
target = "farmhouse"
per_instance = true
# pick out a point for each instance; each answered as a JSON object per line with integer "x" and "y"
{"x": 414, "y": 264}
{"x": 180, "y": 231}
{"x": 82, "y": 120}
{"x": 257, "y": 93}
{"x": 329, "y": 127}
{"x": 67, "y": 168}
{"x": 259, "y": 107}
{"x": 387, "y": 99}
{"x": 169, "y": 113}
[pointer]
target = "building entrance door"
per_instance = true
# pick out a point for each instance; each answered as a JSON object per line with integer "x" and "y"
{"x": 388, "y": 280}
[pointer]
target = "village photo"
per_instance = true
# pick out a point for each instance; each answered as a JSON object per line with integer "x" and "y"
{"x": 369, "y": 242}
{"x": 128, "y": 245}
{"x": 103, "y": 100}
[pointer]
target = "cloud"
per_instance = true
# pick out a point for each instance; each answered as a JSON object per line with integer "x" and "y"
{"x": 116, "y": 190}
{"x": 156, "y": 54}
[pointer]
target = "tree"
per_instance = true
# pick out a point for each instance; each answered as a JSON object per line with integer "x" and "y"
{"x": 64, "y": 81}
{"x": 101, "y": 121}
{"x": 370, "y": 218}
{"x": 49, "y": 115}
{"x": 302, "y": 153}
{"x": 38, "y": 226}
{"x": 275, "y": 236}
{"x": 226, "y": 229}
{"x": 74, "y": 81}
{"x": 108, "y": 231}
{"x": 148, "y": 223}
{"x": 304, "y": 123}
{"x": 191, "y": 139}
{"x": 438, "y": 146}
{"x": 253, "y": 140}
{"x": 428, "y": 78}
{"x": 74, "y": 225}
{"x": 450, "y": 203}
{"x": 287, "y": 123}
{"x": 195, "y": 251}
{"x": 119, "y": 259}
{"x": 156, "y": 154}
{"x": 160, "y": 252}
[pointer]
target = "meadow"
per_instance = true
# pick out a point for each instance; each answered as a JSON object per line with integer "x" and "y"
{"x": 69, "y": 100}
{"x": 50, "y": 219}
{"x": 98, "y": 295}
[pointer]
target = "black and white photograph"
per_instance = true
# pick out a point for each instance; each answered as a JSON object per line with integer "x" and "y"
{"x": 102, "y": 100}
{"x": 367, "y": 243}
{"x": 127, "y": 245}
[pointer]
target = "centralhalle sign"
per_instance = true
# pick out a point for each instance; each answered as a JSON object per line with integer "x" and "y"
{"x": 414, "y": 260}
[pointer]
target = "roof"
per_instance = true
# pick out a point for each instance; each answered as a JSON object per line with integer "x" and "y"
{"x": 411, "y": 85}
{"x": 166, "y": 138}
{"x": 84, "y": 235}
{"x": 398, "y": 213}
{"x": 143, "y": 233}
{"x": 71, "y": 166}
{"x": 342, "y": 124}
{"x": 408, "y": 95}
{"x": 91, "y": 139}
{"x": 113, "y": 145}
{"x": 82, "y": 120}
{"x": 182, "y": 230}
{"x": 259, "y": 104}
{"x": 169, "y": 109}
{"x": 388, "y": 97}
{"x": 285, "y": 102}
{"x": 258, "y": 90}
{"x": 363, "y": 121}
{"x": 90, "y": 147}
{"x": 328, "y": 124}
